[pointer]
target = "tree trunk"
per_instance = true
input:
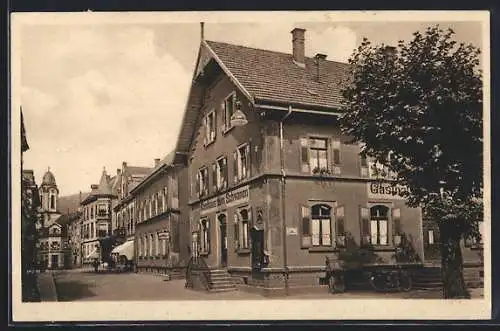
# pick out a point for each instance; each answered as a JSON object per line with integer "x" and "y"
{"x": 451, "y": 262}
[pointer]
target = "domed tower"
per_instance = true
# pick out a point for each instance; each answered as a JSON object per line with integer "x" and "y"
{"x": 49, "y": 194}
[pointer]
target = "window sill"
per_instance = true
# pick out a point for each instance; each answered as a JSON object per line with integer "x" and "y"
{"x": 243, "y": 251}
{"x": 204, "y": 253}
{"x": 226, "y": 130}
{"x": 319, "y": 249}
{"x": 209, "y": 143}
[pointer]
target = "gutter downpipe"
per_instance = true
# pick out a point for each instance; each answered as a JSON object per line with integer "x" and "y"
{"x": 283, "y": 202}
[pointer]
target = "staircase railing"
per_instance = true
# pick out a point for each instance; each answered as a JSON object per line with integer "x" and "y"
{"x": 198, "y": 266}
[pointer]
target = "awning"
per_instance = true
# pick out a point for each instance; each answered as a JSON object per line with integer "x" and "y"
{"x": 93, "y": 255}
{"x": 126, "y": 249}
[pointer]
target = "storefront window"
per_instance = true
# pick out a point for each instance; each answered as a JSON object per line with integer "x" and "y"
{"x": 321, "y": 229}
{"x": 378, "y": 225}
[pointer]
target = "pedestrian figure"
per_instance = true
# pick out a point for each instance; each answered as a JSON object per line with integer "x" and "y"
{"x": 96, "y": 265}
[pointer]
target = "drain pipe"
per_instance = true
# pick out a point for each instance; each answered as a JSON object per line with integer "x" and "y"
{"x": 283, "y": 201}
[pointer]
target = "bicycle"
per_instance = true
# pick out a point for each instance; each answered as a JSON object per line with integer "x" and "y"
{"x": 397, "y": 280}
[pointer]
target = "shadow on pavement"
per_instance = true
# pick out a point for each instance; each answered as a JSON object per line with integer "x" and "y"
{"x": 69, "y": 290}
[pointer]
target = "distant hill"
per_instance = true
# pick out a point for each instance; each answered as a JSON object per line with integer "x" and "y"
{"x": 70, "y": 202}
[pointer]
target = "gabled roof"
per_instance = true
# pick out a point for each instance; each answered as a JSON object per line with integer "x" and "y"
{"x": 264, "y": 77}
{"x": 165, "y": 162}
{"x": 273, "y": 76}
{"x": 104, "y": 188}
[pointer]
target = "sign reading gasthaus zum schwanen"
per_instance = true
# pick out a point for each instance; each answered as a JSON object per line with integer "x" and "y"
{"x": 231, "y": 198}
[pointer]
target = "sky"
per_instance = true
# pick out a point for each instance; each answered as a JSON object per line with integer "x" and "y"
{"x": 95, "y": 95}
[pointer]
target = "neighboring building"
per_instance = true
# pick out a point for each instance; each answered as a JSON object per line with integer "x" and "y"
{"x": 95, "y": 221}
{"x": 161, "y": 236}
{"x": 246, "y": 182}
{"x": 52, "y": 230}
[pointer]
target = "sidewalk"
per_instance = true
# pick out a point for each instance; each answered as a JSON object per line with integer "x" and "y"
{"x": 46, "y": 286}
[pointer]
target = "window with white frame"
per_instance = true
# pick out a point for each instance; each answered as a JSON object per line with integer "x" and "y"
{"x": 321, "y": 225}
{"x": 377, "y": 170}
{"x": 379, "y": 220}
{"x": 210, "y": 127}
{"x": 150, "y": 244}
{"x": 241, "y": 167}
{"x": 202, "y": 181}
{"x": 229, "y": 106}
{"x": 221, "y": 173}
{"x": 205, "y": 236}
{"x": 242, "y": 228}
{"x": 318, "y": 154}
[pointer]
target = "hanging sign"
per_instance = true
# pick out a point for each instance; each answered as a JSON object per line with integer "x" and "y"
{"x": 229, "y": 199}
{"x": 388, "y": 191}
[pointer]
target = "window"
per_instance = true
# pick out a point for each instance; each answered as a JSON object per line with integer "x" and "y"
{"x": 221, "y": 173}
{"x": 241, "y": 167}
{"x": 160, "y": 201}
{"x": 244, "y": 228}
{"x": 52, "y": 201}
{"x": 318, "y": 155}
{"x": 156, "y": 246}
{"x": 377, "y": 170}
{"x": 91, "y": 212}
{"x": 430, "y": 236}
{"x": 321, "y": 230}
{"x": 102, "y": 209}
{"x": 164, "y": 198}
{"x": 210, "y": 125}
{"x": 92, "y": 234}
{"x": 375, "y": 225}
{"x": 228, "y": 106}
{"x": 150, "y": 253}
{"x": 202, "y": 181}
{"x": 205, "y": 236}
{"x": 103, "y": 230}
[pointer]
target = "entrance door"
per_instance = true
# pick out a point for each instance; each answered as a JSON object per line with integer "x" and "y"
{"x": 54, "y": 260}
{"x": 223, "y": 240}
{"x": 257, "y": 248}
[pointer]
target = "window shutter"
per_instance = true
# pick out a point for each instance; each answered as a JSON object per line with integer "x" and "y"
{"x": 197, "y": 184}
{"x": 304, "y": 154}
{"x": 223, "y": 113}
{"x": 214, "y": 124}
{"x": 235, "y": 166}
{"x": 341, "y": 237}
{"x": 249, "y": 164}
{"x": 236, "y": 232}
{"x": 214, "y": 176}
{"x": 365, "y": 225}
{"x": 305, "y": 213}
{"x": 225, "y": 173}
{"x": 335, "y": 155}
{"x": 363, "y": 166}
{"x": 205, "y": 131}
{"x": 208, "y": 236}
{"x": 396, "y": 221}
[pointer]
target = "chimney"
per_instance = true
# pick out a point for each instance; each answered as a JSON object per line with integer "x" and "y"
{"x": 318, "y": 59}
{"x": 298, "y": 43}
{"x": 157, "y": 162}
{"x": 202, "y": 30}
{"x": 94, "y": 186}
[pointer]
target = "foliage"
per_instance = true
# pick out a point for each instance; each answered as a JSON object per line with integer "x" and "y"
{"x": 354, "y": 256}
{"x": 422, "y": 103}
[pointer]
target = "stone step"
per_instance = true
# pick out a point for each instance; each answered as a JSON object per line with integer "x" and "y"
{"x": 229, "y": 289}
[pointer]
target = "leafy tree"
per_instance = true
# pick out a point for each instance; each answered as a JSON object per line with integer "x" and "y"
{"x": 417, "y": 110}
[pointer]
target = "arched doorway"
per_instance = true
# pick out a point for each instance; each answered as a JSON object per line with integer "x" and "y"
{"x": 223, "y": 239}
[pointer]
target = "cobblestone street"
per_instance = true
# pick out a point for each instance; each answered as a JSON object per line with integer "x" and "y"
{"x": 80, "y": 285}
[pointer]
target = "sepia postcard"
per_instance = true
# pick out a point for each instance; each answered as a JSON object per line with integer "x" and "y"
{"x": 172, "y": 166}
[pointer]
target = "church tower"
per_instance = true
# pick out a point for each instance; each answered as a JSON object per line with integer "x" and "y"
{"x": 49, "y": 194}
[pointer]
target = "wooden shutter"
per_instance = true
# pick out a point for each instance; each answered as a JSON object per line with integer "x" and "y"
{"x": 249, "y": 163}
{"x": 205, "y": 131}
{"x": 363, "y": 162}
{"x": 236, "y": 232}
{"x": 340, "y": 225}
{"x": 396, "y": 221}
{"x": 335, "y": 155}
{"x": 365, "y": 225}
{"x": 197, "y": 184}
{"x": 305, "y": 214}
{"x": 214, "y": 176}
{"x": 208, "y": 235}
{"x": 223, "y": 113}
{"x": 304, "y": 155}
{"x": 225, "y": 172}
{"x": 235, "y": 166}
{"x": 214, "y": 127}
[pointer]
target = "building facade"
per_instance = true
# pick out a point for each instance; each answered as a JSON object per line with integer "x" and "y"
{"x": 95, "y": 221}
{"x": 161, "y": 238}
{"x": 51, "y": 228}
{"x": 270, "y": 199}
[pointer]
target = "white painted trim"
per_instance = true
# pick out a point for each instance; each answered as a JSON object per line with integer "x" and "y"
{"x": 297, "y": 110}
